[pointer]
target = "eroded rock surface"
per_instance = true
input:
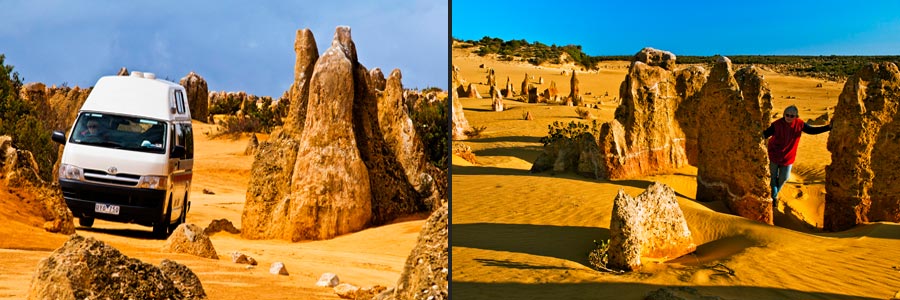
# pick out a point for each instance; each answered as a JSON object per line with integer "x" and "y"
{"x": 427, "y": 267}
{"x": 190, "y": 239}
{"x": 862, "y": 182}
{"x": 649, "y": 225}
{"x": 733, "y": 161}
{"x": 197, "y": 96}
{"x": 85, "y": 268}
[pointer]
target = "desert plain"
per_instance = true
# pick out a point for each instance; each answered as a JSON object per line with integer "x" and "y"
{"x": 522, "y": 235}
{"x": 374, "y": 256}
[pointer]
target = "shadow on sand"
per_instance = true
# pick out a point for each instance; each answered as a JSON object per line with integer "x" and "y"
{"x": 618, "y": 290}
{"x": 132, "y": 233}
{"x": 564, "y": 242}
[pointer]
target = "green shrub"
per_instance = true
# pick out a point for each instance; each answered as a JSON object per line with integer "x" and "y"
{"x": 573, "y": 130}
{"x": 20, "y": 121}
{"x": 431, "y": 121}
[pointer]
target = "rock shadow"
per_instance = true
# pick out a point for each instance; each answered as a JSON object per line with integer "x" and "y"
{"x": 570, "y": 243}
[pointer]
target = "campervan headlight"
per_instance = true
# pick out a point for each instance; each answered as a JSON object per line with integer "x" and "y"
{"x": 67, "y": 171}
{"x": 152, "y": 182}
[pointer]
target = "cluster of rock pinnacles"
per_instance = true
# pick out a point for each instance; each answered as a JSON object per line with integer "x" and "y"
{"x": 347, "y": 157}
{"x": 714, "y": 120}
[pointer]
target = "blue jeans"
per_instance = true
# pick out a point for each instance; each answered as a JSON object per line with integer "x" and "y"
{"x": 779, "y": 175}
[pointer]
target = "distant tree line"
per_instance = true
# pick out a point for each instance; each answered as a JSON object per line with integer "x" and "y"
{"x": 535, "y": 53}
{"x": 832, "y": 67}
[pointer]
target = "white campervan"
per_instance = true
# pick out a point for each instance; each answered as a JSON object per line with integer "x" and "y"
{"x": 129, "y": 155}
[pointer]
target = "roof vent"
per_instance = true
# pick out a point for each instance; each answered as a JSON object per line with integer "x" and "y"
{"x": 137, "y": 74}
{"x": 149, "y": 75}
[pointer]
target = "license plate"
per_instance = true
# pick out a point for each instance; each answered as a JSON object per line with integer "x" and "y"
{"x": 106, "y": 209}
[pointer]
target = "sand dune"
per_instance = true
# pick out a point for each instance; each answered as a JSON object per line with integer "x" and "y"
{"x": 520, "y": 235}
{"x": 374, "y": 256}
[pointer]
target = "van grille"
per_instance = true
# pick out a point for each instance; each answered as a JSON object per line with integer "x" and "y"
{"x": 117, "y": 179}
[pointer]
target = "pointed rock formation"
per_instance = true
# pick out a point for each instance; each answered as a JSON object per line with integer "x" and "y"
{"x": 862, "y": 182}
{"x": 307, "y": 55}
{"x": 330, "y": 187}
{"x": 688, "y": 83}
{"x": 376, "y": 79}
{"x": 496, "y": 100}
{"x": 460, "y": 123}
{"x": 650, "y": 225}
{"x": 733, "y": 161}
{"x": 33, "y": 198}
{"x": 122, "y": 72}
{"x": 473, "y": 92}
{"x": 197, "y": 96}
{"x": 510, "y": 91}
{"x": 644, "y": 138}
{"x": 525, "y": 85}
{"x": 574, "y": 93}
{"x": 400, "y": 179}
{"x": 339, "y": 175}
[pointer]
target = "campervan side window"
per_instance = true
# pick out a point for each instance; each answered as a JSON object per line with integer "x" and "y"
{"x": 184, "y": 136}
{"x": 179, "y": 101}
{"x": 120, "y": 132}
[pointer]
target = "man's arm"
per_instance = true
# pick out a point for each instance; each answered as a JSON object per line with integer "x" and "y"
{"x": 808, "y": 129}
{"x": 769, "y": 131}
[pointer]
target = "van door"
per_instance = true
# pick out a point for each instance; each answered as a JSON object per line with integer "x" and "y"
{"x": 182, "y": 168}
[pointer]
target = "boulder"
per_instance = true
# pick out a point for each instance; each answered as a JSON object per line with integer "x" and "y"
{"x": 307, "y": 53}
{"x": 221, "y": 225}
{"x": 197, "y": 96}
{"x": 278, "y": 268}
{"x": 240, "y": 258}
{"x": 346, "y": 291}
{"x": 184, "y": 279}
{"x": 329, "y": 280}
{"x": 376, "y": 79}
{"x": 862, "y": 182}
{"x": 650, "y": 225}
{"x": 85, "y": 268}
{"x": 733, "y": 161}
{"x": 190, "y": 239}
{"x": 425, "y": 275}
{"x": 654, "y": 57}
{"x": 32, "y": 196}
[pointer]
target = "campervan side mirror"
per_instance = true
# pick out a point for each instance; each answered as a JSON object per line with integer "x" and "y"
{"x": 58, "y": 137}
{"x": 177, "y": 152}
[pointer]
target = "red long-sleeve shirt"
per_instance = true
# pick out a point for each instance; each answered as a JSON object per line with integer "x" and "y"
{"x": 785, "y": 137}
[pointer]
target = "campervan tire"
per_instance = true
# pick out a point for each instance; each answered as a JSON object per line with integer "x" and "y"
{"x": 86, "y": 222}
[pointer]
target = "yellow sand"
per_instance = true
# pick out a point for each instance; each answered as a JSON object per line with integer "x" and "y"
{"x": 516, "y": 235}
{"x": 370, "y": 257}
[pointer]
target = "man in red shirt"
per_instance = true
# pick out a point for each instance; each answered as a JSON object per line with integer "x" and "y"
{"x": 785, "y": 137}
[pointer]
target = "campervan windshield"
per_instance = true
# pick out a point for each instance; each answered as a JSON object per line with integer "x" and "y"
{"x": 120, "y": 132}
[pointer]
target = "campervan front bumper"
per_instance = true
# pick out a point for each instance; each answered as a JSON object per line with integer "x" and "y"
{"x": 116, "y": 203}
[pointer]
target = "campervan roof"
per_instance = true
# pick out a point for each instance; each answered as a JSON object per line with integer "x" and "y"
{"x": 137, "y": 95}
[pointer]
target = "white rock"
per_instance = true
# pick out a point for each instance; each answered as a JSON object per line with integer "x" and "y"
{"x": 278, "y": 268}
{"x": 329, "y": 280}
{"x": 346, "y": 290}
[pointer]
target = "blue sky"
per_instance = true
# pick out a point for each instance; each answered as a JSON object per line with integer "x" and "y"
{"x": 694, "y": 28}
{"x": 234, "y": 45}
